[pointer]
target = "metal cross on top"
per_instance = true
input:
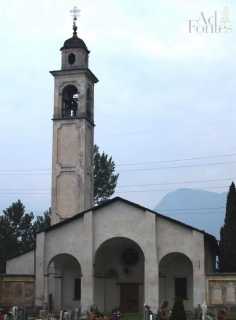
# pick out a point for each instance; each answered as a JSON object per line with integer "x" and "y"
{"x": 75, "y": 14}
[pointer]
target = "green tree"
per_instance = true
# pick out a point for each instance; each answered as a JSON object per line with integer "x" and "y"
{"x": 227, "y": 257}
{"x": 16, "y": 232}
{"x": 105, "y": 178}
{"x": 21, "y": 227}
{"x": 178, "y": 312}
{"x": 18, "y": 228}
{"x": 8, "y": 242}
{"x": 42, "y": 222}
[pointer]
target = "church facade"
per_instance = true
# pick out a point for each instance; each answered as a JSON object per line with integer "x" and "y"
{"x": 119, "y": 253}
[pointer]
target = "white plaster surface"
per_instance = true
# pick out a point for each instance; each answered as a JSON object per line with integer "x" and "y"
{"x": 156, "y": 237}
{"x": 21, "y": 265}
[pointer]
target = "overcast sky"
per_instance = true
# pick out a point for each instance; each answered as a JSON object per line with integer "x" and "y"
{"x": 164, "y": 94}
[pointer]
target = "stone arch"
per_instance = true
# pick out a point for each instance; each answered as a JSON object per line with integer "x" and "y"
{"x": 64, "y": 275}
{"x": 176, "y": 279}
{"x": 119, "y": 275}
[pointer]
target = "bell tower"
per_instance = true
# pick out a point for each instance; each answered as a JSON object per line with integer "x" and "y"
{"x": 73, "y": 130}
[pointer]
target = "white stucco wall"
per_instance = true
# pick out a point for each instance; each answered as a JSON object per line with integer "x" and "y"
{"x": 173, "y": 237}
{"x": 120, "y": 219}
{"x": 156, "y": 236}
{"x": 75, "y": 239}
{"x": 22, "y": 265}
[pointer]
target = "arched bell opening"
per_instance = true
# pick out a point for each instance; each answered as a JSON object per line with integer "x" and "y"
{"x": 70, "y": 102}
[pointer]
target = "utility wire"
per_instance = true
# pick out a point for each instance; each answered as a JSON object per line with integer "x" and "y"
{"x": 174, "y": 183}
{"x": 118, "y": 191}
{"x": 178, "y": 160}
{"x": 40, "y": 172}
{"x": 166, "y": 190}
{"x": 178, "y": 167}
{"x": 48, "y": 189}
{"x": 192, "y": 209}
{"x": 48, "y": 170}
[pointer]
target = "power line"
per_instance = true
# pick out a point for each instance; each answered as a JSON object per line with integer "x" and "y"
{"x": 178, "y": 160}
{"x": 48, "y": 170}
{"x": 166, "y": 190}
{"x": 30, "y": 191}
{"x": 174, "y": 183}
{"x": 183, "y": 210}
{"x": 192, "y": 209}
{"x": 25, "y": 189}
{"x": 26, "y": 173}
{"x": 189, "y": 212}
{"x": 40, "y": 172}
{"x": 178, "y": 167}
{"x": 48, "y": 189}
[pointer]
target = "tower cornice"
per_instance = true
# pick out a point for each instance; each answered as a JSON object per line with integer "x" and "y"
{"x": 81, "y": 117}
{"x": 75, "y": 71}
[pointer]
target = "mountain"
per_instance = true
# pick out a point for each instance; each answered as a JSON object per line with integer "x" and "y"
{"x": 202, "y": 209}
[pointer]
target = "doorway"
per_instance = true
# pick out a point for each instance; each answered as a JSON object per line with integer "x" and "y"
{"x": 129, "y": 298}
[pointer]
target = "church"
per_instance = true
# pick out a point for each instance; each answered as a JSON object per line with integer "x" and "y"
{"x": 119, "y": 253}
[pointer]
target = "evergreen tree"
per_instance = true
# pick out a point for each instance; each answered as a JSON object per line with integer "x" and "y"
{"x": 18, "y": 228}
{"x": 178, "y": 312}
{"x": 42, "y": 222}
{"x": 105, "y": 179}
{"x": 18, "y": 231}
{"x": 8, "y": 242}
{"x": 227, "y": 257}
{"x": 21, "y": 228}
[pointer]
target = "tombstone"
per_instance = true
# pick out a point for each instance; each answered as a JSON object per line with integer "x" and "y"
{"x": 1, "y": 314}
{"x": 43, "y": 314}
{"x": 204, "y": 310}
{"x": 8, "y": 316}
{"x": 148, "y": 314}
{"x": 76, "y": 314}
{"x": 116, "y": 314}
{"x": 66, "y": 315}
{"x": 15, "y": 310}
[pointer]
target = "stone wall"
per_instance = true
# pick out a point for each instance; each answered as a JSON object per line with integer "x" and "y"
{"x": 221, "y": 289}
{"x": 17, "y": 290}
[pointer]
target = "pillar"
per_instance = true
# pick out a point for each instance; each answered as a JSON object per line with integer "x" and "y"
{"x": 151, "y": 277}
{"x": 199, "y": 277}
{"x": 87, "y": 281}
{"x": 40, "y": 270}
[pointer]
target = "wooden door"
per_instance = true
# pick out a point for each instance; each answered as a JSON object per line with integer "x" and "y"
{"x": 129, "y": 298}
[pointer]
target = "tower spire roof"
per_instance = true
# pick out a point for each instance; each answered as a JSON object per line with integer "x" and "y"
{"x": 75, "y": 42}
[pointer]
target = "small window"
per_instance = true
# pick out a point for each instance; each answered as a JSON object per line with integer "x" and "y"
{"x": 71, "y": 58}
{"x": 77, "y": 289}
{"x": 181, "y": 288}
